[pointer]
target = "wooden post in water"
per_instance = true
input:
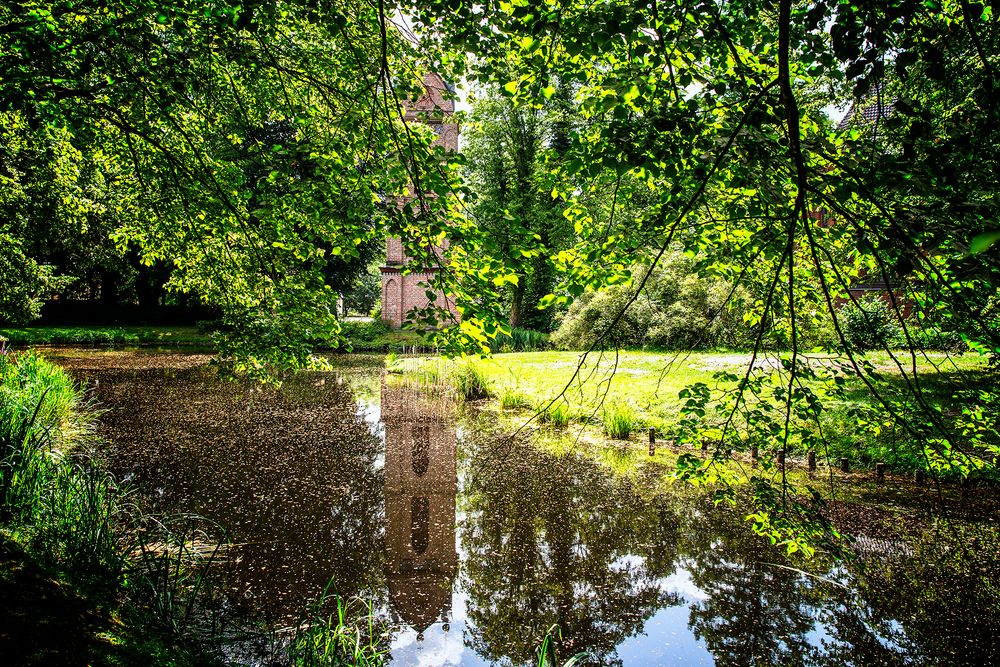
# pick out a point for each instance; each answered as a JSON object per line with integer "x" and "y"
{"x": 845, "y": 464}
{"x": 812, "y": 461}
{"x": 880, "y": 472}
{"x": 652, "y": 440}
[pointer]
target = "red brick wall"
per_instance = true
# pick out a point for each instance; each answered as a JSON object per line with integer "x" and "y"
{"x": 403, "y": 293}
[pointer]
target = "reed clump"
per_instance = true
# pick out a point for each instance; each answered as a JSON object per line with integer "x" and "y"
{"x": 469, "y": 382}
{"x": 336, "y": 631}
{"x": 512, "y": 398}
{"x": 557, "y": 415}
{"x": 619, "y": 420}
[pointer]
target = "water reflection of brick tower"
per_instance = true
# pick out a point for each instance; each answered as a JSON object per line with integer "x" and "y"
{"x": 420, "y": 484}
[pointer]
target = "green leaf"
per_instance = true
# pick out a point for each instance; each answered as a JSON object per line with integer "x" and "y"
{"x": 983, "y": 241}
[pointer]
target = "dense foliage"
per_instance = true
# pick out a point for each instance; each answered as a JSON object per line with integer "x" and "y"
{"x": 678, "y": 309}
{"x": 258, "y": 151}
{"x": 509, "y": 150}
{"x": 254, "y": 149}
{"x": 713, "y": 118}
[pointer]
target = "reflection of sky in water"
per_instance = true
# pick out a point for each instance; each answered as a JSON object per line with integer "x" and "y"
{"x": 371, "y": 413}
{"x": 437, "y": 647}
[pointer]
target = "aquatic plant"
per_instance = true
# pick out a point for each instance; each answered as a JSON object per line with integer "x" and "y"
{"x": 557, "y": 415}
{"x": 546, "y": 651}
{"x": 175, "y": 570}
{"x": 33, "y": 388}
{"x": 469, "y": 382}
{"x": 68, "y": 512}
{"x": 619, "y": 420}
{"x": 512, "y": 398}
{"x": 352, "y": 634}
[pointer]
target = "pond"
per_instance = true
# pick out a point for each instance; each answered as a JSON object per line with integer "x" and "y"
{"x": 474, "y": 546}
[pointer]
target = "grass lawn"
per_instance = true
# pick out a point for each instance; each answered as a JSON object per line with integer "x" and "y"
{"x": 648, "y": 381}
{"x": 363, "y": 336}
{"x": 634, "y": 390}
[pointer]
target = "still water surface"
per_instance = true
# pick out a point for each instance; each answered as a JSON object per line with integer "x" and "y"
{"x": 474, "y": 548}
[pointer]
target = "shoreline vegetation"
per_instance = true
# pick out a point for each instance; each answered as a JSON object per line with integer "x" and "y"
{"x": 87, "y": 578}
{"x": 362, "y": 336}
{"x": 619, "y": 396}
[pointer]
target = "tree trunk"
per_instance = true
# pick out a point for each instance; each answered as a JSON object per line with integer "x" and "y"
{"x": 517, "y": 302}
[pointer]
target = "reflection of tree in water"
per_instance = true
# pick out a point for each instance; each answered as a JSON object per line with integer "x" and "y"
{"x": 946, "y": 595}
{"x": 556, "y": 540}
{"x": 760, "y": 612}
{"x": 290, "y": 473}
{"x": 754, "y": 613}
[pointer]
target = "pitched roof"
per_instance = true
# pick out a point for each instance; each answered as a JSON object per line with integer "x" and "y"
{"x": 867, "y": 112}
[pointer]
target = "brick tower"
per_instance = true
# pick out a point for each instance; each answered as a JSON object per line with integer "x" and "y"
{"x": 403, "y": 293}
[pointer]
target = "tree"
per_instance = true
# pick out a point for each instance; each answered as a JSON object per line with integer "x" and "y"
{"x": 257, "y": 149}
{"x": 508, "y": 150}
{"x": 714, "y": 113}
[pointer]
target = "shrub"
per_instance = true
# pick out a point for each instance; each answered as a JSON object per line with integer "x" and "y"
{"x": 619, "y": 420}
{"x": 365, "y": 335}
{"x": 935, "y": 339}
{"x": 520, "y": 340}
{"x": 678, "y": 309}
{"x": 870, "y": 324}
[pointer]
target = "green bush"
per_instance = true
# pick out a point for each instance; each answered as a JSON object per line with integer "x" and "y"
{"x": 677, "y": 309}
{"x": 362, "y": 334}
{"x": 935, "y": 339}
{"x": 870, "y": 324}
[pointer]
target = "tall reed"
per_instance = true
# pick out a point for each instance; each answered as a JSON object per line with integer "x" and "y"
{"x": 351, "y": 634}
{"x": 67, "y": 511}
{"x": 520, "y": 340}
{"x": 619, "y": 420}
{"x": 469, "y": 382}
